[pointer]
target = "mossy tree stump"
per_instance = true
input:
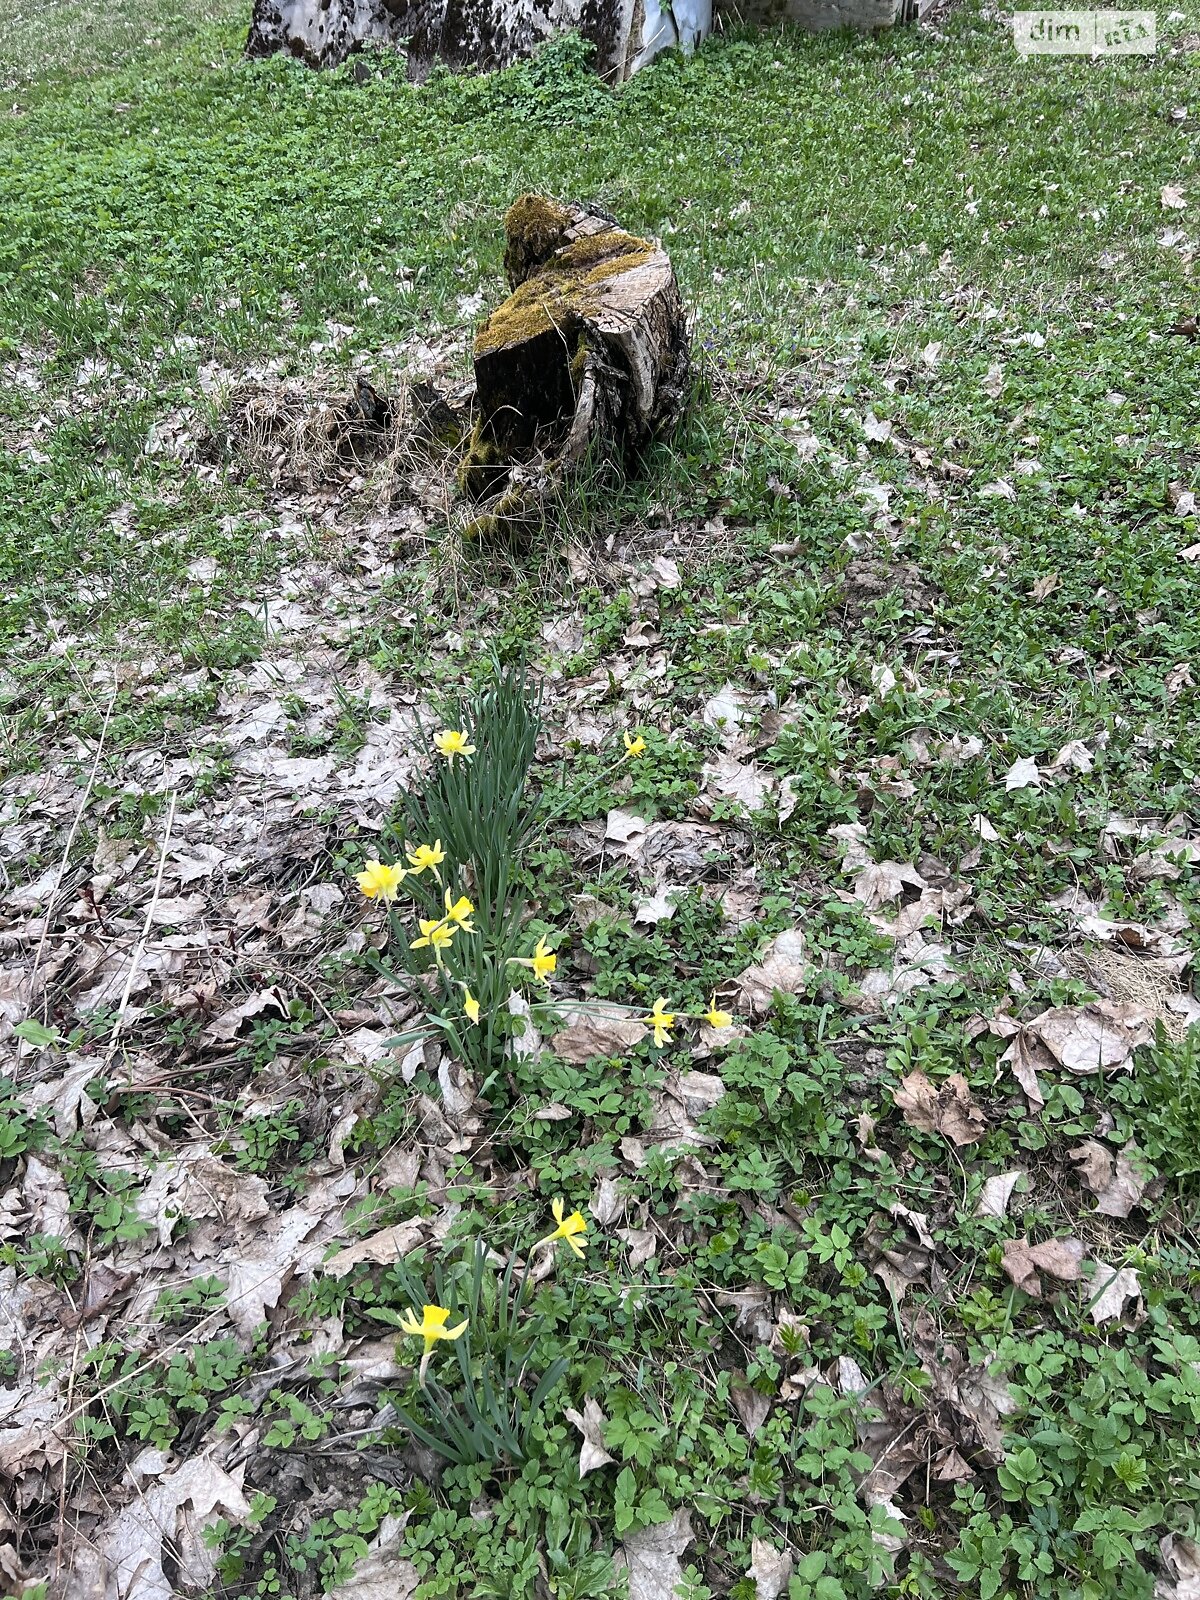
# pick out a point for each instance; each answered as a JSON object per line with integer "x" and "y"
{"x": 588, "y": 354}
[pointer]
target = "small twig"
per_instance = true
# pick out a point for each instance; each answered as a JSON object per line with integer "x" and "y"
{"x": 140, "y": 948}
{"x": 66, "y": 855}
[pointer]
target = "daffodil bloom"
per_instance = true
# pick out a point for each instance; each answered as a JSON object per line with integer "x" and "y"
{"x": 425, "y": 856}
{"x": 450, "y": 743}
{"x": 541, "y": 963}
{"x": 436, "y": 935}
{"x": 470, "y": 1005}
{"x": 431, "y": 1328}
{"x": 569, "y": 1228}
{"x": 714, "y": 1017}
{"x": 459, "y": 911}
{"x": 661, "y": 1020}
{"x": 634, "y": 747}
{"x": 379, "y": 881}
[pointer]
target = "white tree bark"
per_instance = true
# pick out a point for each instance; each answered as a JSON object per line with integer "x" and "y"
{"x": 476, "y": 33}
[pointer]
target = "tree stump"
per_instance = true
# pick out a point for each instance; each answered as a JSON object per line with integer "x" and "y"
{"x": 588, "y": 355}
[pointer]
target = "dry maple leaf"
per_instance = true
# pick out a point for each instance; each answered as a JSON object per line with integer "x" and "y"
{"x": 652, "y": 1558}
{"x": 948, "y": 1110}
{"x": 783, "y": 970}
{"x": 742, "y": 781}
{"x": 1115, "y": 1180}
{"x": 1091, "y": 1038}
{"x": 770, "y": 1569}
{"x": 880, "y": 882}
{"x": 599, "y": 1029}
{"x": 996, "y": 1193}
{"x": 1061, "y": 1258}
{"x": 1023, "y": 774}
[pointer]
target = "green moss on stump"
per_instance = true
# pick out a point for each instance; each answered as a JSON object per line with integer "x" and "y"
{"x": 556, "y": 297}
{"x": 534, "y": 227}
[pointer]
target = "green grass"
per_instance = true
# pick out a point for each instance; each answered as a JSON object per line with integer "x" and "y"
{"x": 175, "y": 219}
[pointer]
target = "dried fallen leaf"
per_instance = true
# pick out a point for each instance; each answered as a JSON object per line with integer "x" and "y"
{"x": 729, "y": 708}
{"x": 105, "y": 1286}
{"x": 1116, "y": 1181}
{"x": 1022, "y": 1261}
{"x": 741, "y": 781}
{"x": 660, "y": 906}
{"x": 382, "y": 1574}
{"x": 382, "y": 1248}
{"x": 948, "y": 1110}
{"x": 194, "y": 1184}
{"x": 1171, "y": 197}
{"x": 752, "y": 1407}
{"x": 652, "y": 1558}
{"x": 1091, "y": 1038}
{"x": 622, "y": 827}
{"x": 1181, "y": 1564}
{"x": 880, "y": 882}
{"x": 1110, "y": 1289}
{"x": 771, "y": 1569}
{"x": 1023, "y": 774}
{"x": 224, "y": 1028}
{"x": 592, "y": 1454}
{"x": 128, "y": 1549}
{"x": 996, "y": 1193}
{"x": 290, "y": 1244}
{"x": 782, "y": 970}
{"x": 877, "y": 431}
{"x": 600, "y": 1029}
{"x": 643, "y": 1245}
{"x": 1074, "y": 755}
{"x": 666, "y": 572}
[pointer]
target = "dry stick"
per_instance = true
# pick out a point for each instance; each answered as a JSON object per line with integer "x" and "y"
{"x": 139, "y": 949}
{"x": 66, "y": 855}
{"x": 62, "y": 1486}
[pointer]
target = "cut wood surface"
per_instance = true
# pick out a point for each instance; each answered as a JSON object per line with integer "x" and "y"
{"x": 588, "y": 353}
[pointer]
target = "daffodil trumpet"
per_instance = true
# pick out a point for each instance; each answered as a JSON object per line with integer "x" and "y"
{"x": 432, "y": 1328}
{"x": 541, "y": 963}
{"x": 569, "y": 1228}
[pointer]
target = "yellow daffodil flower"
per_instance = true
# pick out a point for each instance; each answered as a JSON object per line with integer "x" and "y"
{"x": 431, "y": 1328}
{"x": 470, "y": 1005}
{"x": 459, "y": 912}
{"x": 379, "y": 881}
{"x": 541, "y": 963}
{"x": 714, "y": 1017}
{"x": 435, "y": 936}
{"x": 425, "y": 856}
{"x": 634, "y": 747}
{"x": 450, "y": 743}
{"x": 569, "y": 1228}
{"x": 661, "y": 1020}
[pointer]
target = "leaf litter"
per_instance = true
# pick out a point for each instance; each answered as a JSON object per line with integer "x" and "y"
{"x": 248, "y": 911}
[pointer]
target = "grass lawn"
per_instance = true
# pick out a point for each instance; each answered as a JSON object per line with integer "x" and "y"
{"x": 891, "y": 1288}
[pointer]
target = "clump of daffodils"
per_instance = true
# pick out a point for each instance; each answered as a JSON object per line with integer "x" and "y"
{"x": 476, "y": 966}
